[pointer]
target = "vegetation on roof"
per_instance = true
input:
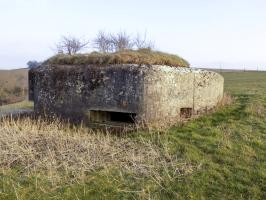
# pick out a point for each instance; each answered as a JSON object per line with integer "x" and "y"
{"x": 141, "y": 56}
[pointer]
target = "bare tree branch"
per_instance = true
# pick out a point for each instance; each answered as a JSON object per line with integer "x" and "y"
{"x": 142, "y": 42}
{"x": 70, "y": 45}
{"x": 103, "y": 42}
{"x": 121, "y": 41}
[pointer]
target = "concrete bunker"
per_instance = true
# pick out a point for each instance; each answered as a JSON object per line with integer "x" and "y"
{"x": 125, "y": 93}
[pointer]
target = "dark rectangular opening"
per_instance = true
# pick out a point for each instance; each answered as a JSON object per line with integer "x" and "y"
{"x": 122, "y": 117}
{"x": 105, "y": 116}
{"x": 186, "y": 113}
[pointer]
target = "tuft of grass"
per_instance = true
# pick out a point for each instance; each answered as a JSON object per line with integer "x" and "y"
{"x": 226, "y": 100}
{"x": 142, "y": 56}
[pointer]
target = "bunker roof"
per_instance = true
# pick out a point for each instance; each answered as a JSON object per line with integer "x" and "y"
{"x": 140, "y": 57}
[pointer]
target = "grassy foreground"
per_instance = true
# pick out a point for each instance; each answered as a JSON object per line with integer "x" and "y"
{"x": 219, "y": 156}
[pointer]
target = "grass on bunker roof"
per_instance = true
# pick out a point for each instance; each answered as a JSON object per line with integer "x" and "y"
{"x": 218, "y": 156}
{"x": 142, "y": 56}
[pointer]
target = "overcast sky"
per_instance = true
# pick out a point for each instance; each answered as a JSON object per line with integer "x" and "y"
{"x": 208, "y": 33}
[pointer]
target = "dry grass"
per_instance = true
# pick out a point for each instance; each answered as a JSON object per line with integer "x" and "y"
{"x": 57, "y": 148}
{"x": 226, "y": 100}
{"x": 142, "y": 56}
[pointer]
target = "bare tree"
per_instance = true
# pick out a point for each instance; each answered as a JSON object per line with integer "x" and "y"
{"x": 70, "y": 45}
{"x": 103, "y": 42}
{"x": 121, "y": 41}
{"x": 142, "y": 42}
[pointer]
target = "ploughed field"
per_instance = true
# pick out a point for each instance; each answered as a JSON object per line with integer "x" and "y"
{"x": 13, "y": 86}
{"x": 218, "y": 156}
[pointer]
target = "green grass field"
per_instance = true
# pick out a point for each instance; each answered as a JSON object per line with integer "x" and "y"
{"x": 219, "y": 156}
{"x": 15, "y": 106}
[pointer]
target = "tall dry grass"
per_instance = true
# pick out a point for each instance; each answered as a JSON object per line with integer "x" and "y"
{"x": 57, "y": 148}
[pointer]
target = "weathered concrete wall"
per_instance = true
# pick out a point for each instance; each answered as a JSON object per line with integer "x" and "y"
{"x": 208, "y": 90}
{"x": 165, "y": 92}
{"x": 72, "y": 91}
{"x": 152, "y": 93}
{"x": 169, "y": 90}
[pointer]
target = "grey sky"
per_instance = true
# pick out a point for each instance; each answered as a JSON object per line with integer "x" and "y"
{"x": 230, "y": 33}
